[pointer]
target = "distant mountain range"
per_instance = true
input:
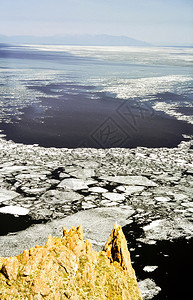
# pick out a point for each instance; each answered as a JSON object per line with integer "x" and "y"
{"x": 84, "y": 40}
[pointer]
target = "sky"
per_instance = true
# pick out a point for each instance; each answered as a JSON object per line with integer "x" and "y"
{"x": 161, "y": 22}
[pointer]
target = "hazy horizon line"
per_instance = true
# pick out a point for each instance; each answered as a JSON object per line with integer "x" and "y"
{"x": 78, "y": 43}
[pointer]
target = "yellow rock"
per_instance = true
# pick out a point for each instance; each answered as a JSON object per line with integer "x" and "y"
{"x": 68, "y": 268}
{"x": 10, "y": 268}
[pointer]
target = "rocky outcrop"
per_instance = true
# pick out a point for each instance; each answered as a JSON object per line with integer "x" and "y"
{"x": 69, "y": 268}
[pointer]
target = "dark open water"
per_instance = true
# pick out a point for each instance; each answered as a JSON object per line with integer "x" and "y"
{"x": 172, "y": 258}
{"x": 70, "y": 96}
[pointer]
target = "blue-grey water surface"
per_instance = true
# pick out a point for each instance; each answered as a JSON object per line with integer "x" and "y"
{"x": 78, "y": 96}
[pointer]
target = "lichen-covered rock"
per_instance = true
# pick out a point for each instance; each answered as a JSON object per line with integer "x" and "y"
{"x": 68, "y": 268}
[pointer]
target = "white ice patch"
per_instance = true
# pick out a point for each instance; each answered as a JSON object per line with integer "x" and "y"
{"x": 152, "y": 225}
{"x": 141, "y": 87}
{"x": 97, "y": 189}
{"x": 114, "y": 196}
{"x": 7, "y": 195}
{"x": 148, "y": 289}
{"x": 162, "y": 199}
{"x": 19, "y": 94}
{"x": 167, "y": 230}
{"x": 14, "y": 210}
{"x": 170, "y": 109}
{"x": 150, "y": 268}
